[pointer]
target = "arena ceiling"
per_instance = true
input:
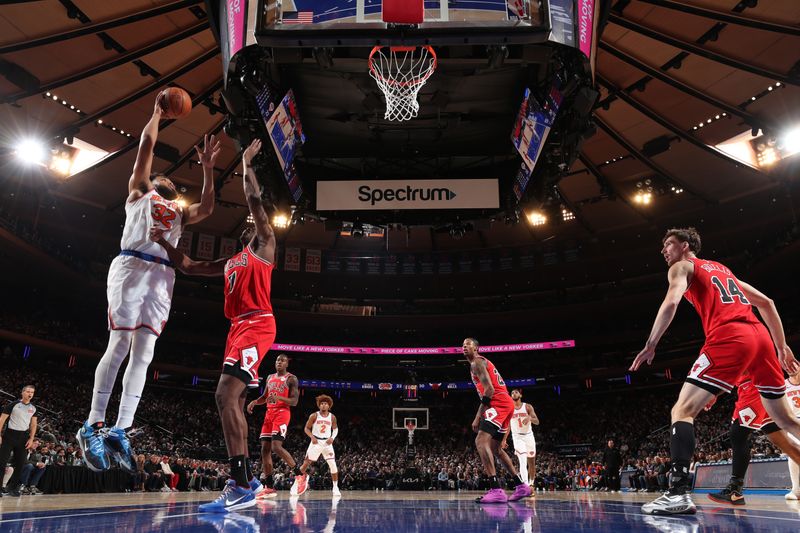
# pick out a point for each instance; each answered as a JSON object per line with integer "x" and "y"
{"x": 91, "y": 70}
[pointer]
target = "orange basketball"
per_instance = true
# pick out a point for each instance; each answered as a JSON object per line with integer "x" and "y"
{"x": 175, "y": 102}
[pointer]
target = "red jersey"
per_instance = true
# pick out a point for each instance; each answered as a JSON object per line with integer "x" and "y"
{"x": 248, "y": 279}
{"x": 715, "y": 294}
{"x": 279, "y": 386}
{"x": 497, "y": 380}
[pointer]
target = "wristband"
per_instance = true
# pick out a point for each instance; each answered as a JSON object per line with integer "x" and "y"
{"x": 486, "y": 400}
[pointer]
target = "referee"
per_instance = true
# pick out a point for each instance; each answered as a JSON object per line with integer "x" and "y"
{"x": 18, "y": 437}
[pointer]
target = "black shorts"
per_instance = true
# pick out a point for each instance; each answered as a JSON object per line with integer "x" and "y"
{"x": 236, "y": 371}
{"x": 492, "y": 429}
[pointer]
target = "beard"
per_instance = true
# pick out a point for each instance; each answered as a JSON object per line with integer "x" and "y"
{"x": 166, "y": 192}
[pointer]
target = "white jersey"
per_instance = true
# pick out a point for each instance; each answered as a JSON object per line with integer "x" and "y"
{"x": 793, "y": 395}
{"x": 519, "y": 424}
{"x": 323, "y": 426}
{"x": 151, "y": 210}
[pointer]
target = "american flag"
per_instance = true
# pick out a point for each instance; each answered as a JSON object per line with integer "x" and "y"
{"x": 300, "y": 17}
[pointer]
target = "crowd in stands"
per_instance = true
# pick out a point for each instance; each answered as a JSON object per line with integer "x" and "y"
{"x": 180, "y": 443}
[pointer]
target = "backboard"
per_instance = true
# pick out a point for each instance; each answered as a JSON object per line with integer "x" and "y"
{"x": 400, "y": 416}
{"x": 363, "y": 22}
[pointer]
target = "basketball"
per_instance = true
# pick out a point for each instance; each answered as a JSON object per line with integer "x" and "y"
{"x": 175, "y": 102}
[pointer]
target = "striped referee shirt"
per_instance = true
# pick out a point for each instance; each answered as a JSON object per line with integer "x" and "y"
{"x": 19, "y": 415}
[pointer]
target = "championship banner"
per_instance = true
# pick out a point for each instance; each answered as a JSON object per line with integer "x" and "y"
{"x": 359, "y": 195}
{"x": 291, "y": 261}
{"x": 205, "y": 246}
{"x": 499, "y": 348}
{"x": 227, "y": 247}
{"x": 185, "y": 244}
{"x": 313, "y": 261}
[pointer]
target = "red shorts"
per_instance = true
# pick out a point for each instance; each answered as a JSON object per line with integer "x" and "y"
{"x": 497, "y": 418}
{"x": 750, "y": 412}
{"x": 276, "y": 422}
{"x": 249, "y": 340}
{"x": 735, "y": 349}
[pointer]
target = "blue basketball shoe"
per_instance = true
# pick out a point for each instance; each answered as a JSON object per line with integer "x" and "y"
{"x": 91, "y": 442}
{"x": 121, "y": 450}
{"x": 233, "y": 498}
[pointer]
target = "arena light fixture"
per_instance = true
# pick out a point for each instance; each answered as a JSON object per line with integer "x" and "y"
{"x": 791, "y": 141}
{"x": 566, "y": 214}
{"x": 250, "y": 220}
{"x": 643, "y": 198}
{"x": 31, "y": 151}
{"x": 181, "y": 202}
{"x": 537, "y": 218}
{"x": 280, "y": 221}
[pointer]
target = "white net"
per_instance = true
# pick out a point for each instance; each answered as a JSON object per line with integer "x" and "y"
{"x": 401, "y": 71}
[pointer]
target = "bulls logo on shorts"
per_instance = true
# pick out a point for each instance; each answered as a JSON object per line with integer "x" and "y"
{"x": 700, "y": 365}
{"x": 747, "y": 416}
{"x": 249, "y": 357}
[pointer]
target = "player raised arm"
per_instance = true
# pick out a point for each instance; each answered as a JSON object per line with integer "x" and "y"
{"x": 208, "y": 156}
{"x": 252, "y": 192}
{"x": 309, "y": 425}
{"x": 532, "y": 414}
{"x": 294, "y": 392}
{"x": 769, "y": 313}
{"x": 139, "y": 182}
{"x": 678, "y": 276}
{"x": 184, "y": 263}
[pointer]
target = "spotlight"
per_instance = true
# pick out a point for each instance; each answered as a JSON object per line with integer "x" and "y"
{"x": 536, "y": 218}
{"x": 791, "y": 141}
{"x": 566, "y": 214}
{"x": 644, "y": 198}
{"x": 31, "y": 151}
{"x": 280, "y": 221}
{"x": 250, "y": 220}
{"x": 181, "y": 202}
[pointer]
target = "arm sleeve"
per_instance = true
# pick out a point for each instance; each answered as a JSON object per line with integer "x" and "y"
{"x": 334, "y": 433}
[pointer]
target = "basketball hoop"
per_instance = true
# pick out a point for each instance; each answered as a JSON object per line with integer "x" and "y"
{"x": 410, "y": 427}
{"x": 401, "y": 71}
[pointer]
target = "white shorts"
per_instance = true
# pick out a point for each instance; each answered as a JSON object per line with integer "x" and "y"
{"x": 314, "y": 451}
{"x": 524, "y": 444}
{"x": 139, "y": 294}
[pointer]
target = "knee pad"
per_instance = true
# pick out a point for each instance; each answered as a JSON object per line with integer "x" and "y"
{"x": 332, "y": 465}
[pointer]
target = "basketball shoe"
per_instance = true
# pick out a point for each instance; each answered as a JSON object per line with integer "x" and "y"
{"x": 93, "y": 448}
{"x": 121, "y": 449}
{"x": 732, "y": 494}
{"x": 523, "y": 490}
{"x": 670, "y": 503}
{"x": 336, "y": 493}
{"x": 232, "y": 498}
{"x": 300, "y": 485}
{"x": 256, "y": 486}
{"x": 266, "y": 493}
{"x": 493, "y": 496}
{"x": 792, "y": 495}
